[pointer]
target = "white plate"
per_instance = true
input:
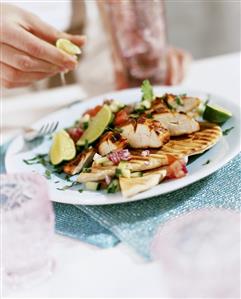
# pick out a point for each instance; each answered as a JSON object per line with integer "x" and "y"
{"x": 219, "y": 155}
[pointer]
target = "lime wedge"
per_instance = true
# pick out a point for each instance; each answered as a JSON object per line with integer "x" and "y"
{"x": 67, "y": 46}
{"x": 63, "y": 148}
{"x": 96, "y": 126}
{"x": 216, "y": 114}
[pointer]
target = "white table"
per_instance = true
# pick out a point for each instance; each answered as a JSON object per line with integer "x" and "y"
{"x": 85, "y": 271}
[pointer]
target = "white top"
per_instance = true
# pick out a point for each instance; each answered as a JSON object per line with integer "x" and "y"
{"x": 85, "y": 271}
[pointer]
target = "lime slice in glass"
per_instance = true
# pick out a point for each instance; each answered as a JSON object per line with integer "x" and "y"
{"x": 67, "y": 46}
{"x": 216, "y": 114}
{"x": 96, "y": 127}
{"x": 62, "y": 149}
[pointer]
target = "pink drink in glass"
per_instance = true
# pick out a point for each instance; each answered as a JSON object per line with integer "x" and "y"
{"x": 27, "y": 229}
{"x": 199, "y": 254}
{"x": 138, "y": 39}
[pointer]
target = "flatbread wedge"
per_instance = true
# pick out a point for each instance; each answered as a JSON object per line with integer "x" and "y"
{"x": 195, "y": 143}
{"x": 132, "y": 186}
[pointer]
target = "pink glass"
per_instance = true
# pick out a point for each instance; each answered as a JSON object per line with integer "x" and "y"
{"x": 138, "y": 39}
{"x": 27, "y": 229}
{"x": 199, "y": 254}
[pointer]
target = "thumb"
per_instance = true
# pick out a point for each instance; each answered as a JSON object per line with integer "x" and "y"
{"x": 50, "y": 34}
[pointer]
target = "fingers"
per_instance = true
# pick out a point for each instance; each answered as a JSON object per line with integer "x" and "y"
{"x": 25, "y": 41}
{"x": 172, "y": 76}
{"x": 50, "y": 34}
{"x": 21, "y": 61}
{"x": 8, "y": 84}
{"x": 17, "y": 77}
{"x": 178, "y": 62}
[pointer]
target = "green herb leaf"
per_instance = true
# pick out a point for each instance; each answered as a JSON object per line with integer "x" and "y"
{"x": 207, "y": 162}
{"x": 169, "y": 106}
{"x": 80, "y": 190}
{"x": 179, "y": 101}
{"x": 47, "y": 174}
{"x": 86, "y": 144}
{"x": 66, "y": 187}
{"x": 85, "y": 125}
{"x": 86, "y": 169}
{"x": 227, "y": 131}
{"x": 147, "y": 91}
{"x": 38, "y": 159}
{"x": 149, "y": 115}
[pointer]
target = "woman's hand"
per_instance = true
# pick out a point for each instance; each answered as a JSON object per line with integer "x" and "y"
{"x": 178, "y": 62}
{"x": 27, "y": 48}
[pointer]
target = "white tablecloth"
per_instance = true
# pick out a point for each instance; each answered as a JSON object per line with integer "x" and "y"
{"x": 83, "y": 270}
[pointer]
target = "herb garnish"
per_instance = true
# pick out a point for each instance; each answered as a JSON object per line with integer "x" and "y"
{"x": 149, "y": 115}
{"x": 86, "y": 169}
{"x": 86, "y": 144}
{"x": 85, "y": 125}
{"x": 118, "y": 172}
{"x": 66, "y": 187}
{"x": 47, "y": 174}
{"x": 207, "y": 162}
{"x": 147, "y": 91}
{"x": 227, "y": 131}
{"x": 179, "y": 100}
{"x": 38, "y": 159}
{"x": 169, "y": 106}
{"x": 80, "y": 190}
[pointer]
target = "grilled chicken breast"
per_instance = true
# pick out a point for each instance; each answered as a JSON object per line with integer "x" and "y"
{"x": 110, "y": 142}
{"x": 177, "y": 123}
{"x": 81, "y": 160}
{"x": 180, "y": 103}
{"x": 145, "y": 133}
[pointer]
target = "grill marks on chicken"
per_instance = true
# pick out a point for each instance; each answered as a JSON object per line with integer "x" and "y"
{"x": 82, "y": 160}
{"x": 111, "y": 141}
{"x": 145, "y": 133}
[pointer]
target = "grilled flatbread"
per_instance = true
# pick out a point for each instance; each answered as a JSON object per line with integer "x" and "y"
{"x": 133, "y": 186}
{"x": 195, "y": 143}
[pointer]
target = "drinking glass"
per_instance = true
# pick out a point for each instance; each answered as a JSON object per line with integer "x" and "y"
{"x": 27, "y": 228}
{"x": 199, "y": 254}
{"x": 137, "y": 32}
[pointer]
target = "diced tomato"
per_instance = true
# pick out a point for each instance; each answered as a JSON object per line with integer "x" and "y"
{"x": 121, "y": 117}
{"x": 92, "y": 112}
{"x": 176, "y": 170}
{"x": 75, "y": 133}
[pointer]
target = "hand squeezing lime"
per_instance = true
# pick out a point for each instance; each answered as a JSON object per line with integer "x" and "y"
{"x": 67, "y": 46}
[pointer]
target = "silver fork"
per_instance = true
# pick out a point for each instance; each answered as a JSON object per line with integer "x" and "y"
{"x": 30, "y": 134}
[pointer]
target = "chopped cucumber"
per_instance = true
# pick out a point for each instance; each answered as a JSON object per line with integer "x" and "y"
{"x": 136, "y": 174}
{"x": 93, "y": 186}
{"x": 123, "y": 170}
{"x": 113, "y": 187}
